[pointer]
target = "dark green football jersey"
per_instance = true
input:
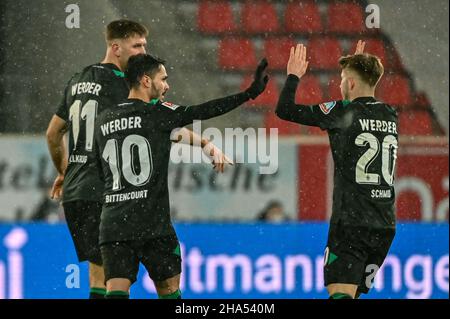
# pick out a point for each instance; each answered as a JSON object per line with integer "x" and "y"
{"x": 134, "y": 151}
{"x": 87, "y": 94}
{"x": 364, "y": 141}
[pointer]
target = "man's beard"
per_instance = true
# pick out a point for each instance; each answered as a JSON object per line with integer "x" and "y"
{"x": 156, "y": 93}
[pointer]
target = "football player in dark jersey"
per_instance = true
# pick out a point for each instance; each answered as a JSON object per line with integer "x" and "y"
{"x": 364, "y": 142}
{"x": 87, "y": 94}
{"x": 134, "y": 149}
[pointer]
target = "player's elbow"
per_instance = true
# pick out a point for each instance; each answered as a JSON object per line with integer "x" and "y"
{"x": 280, "y": 111}
{"x": 50, "y": 135}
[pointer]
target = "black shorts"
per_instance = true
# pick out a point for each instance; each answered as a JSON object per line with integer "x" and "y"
{"x": 83, "y": 220}
{"x": 160, "y": 256}
{"x": 354, "y": 255}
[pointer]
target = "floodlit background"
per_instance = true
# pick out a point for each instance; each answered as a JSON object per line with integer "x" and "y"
{"x": 232, "y": 247}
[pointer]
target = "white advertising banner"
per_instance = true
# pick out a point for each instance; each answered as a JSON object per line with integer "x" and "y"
{"x": 243, "y": 190}
{"x": 26, "y": 173}
{"x": 196, "y": 191}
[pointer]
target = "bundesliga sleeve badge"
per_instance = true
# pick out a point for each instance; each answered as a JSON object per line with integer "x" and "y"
{"x": 170, "y": 105}
{"x": 327, "y": 107}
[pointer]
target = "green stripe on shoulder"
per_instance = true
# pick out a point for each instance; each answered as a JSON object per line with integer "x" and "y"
{"x": 346, "y": 102}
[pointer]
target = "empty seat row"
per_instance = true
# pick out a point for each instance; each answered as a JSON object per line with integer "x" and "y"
{"x": 309, "y": 92}
{"x": 323, "y": 52}
{"x": 216, "y": 17}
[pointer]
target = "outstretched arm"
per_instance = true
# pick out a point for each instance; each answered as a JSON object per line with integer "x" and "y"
{"x": 186, "y": 136}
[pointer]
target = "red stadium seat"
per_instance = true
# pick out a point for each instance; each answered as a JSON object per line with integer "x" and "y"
{"x": 345, "y": 17}
{"x": 269, "y": 98}
{"x": 215, "y": 17}
{"x": 324, "y": 53}
{"x": 415, "y": 123}
{"x": 309, "y": 91}
{"x": 277, "y": 52}
{"x": 333, "y": 88}
{"x": 421, "y": 100}
{"x": 395, "y": 61}
{"x": 237, "y": 54}
{"x": 394, "y": 90}
{"x": 284, "y": 127}
{"x": 375, "y": 47}
{"x": 302, "y": 17}
{"x": 259, "y": 17}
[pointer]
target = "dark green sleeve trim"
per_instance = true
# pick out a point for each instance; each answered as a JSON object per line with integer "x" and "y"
{"x": 117, "y": 293}
{"x": 99, "y": 291}
{"x": 339, "y": 295}
{"x": 174, "y": 295}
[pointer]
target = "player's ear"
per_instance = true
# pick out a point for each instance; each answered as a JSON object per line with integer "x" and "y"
{"x": 115, "y": 48}
{"x": 146, "y": 81}
{"x": 352, "y": 83}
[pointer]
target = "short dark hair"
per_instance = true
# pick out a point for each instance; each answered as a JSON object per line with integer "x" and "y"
{"x": 273, "y": 204}
{"x": 122, "y": 29}
{"x": 367, "y": 66}
{"x": 140, "y": 65}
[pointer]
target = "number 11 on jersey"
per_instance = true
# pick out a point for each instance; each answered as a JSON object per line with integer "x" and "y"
{"x": 88, "y": 113}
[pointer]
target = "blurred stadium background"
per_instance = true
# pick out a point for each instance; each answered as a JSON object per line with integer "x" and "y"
{"x": 244, "y": 235}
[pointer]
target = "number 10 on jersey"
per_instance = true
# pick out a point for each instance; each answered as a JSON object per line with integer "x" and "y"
{"x": 132, "y": 145}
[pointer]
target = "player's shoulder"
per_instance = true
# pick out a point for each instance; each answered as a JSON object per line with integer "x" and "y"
{"x": 167, "y": 106}
{"x": 82, "y": 74}
{"x": 376, "y": 105}
{"x": 116, "y": 109}
{"x": 389, "y": 109}
{"x": 105, "y": 69}
{"x": 75, "y": 77}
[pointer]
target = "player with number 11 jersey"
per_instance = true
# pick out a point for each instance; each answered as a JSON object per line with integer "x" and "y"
{"x": 87, "y": 93}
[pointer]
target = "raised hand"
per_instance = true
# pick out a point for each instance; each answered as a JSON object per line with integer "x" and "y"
{"x": 297, "y": 63}
{"x": 360, "y": 47}
{"x": 260, "y": 81}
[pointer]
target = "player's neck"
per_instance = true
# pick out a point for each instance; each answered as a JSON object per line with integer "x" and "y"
{"x": 362, "y": 93}
{"x": 140, "y": 95}
{"x": 112, "y": 59}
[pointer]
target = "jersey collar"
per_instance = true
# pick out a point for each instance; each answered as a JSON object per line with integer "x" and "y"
{"x": 364, "y": 99}
{"x": 113, "y": 68}
{"x": 151, "y": 103}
